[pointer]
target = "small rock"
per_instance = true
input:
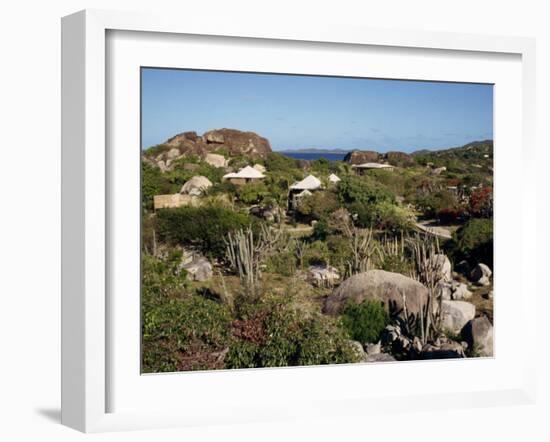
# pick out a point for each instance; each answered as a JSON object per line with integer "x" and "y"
{"x": 373, "y": 349}
{"x": 461, "y": 292}
{"x": 323, "y": 275}
{"x": 478, "y": 333}
{"x": 358, "y": 349}
{"x": 447, "y": 350}
{"x": 481, "y": 274}
{"x": 380, "y": 357}
{"x": 199, "y": 269}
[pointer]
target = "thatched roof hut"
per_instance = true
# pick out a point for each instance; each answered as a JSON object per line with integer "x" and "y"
{"x": 308, "y": 183}
{"x": 245, "y": 175}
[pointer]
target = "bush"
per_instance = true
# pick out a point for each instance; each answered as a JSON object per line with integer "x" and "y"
{"x": 185, "y": 334}
{"x": 316, "y": 253}
{"x": 366, "y": 321}
{"x": 274, "y": 334}
{"x": 204, "y": 227}
{"x": 162, "y": 279}
{"x": 152, "y": 183}
{"x": 432, "y": 203}
{"x": 481, "y": 202}
{"x": 318, "y": 205}
{"x": 252, "y": 193}
{"x": 276, "y": 162}
{"x": 474, "y": 241}
{"x": 363, "y": 190}
{"x": 282, "y": 263}
{"x": 382, "y": 215}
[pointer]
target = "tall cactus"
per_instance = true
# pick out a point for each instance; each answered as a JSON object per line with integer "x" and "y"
{"x": 246, "y": 253}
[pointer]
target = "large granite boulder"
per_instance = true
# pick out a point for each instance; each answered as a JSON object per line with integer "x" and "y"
{"x": 196, "y": 186}
{"x": 399, "y": 159}
{"x": 215, "y": 160}
{"x": 237, "y": 142}
{"x": 362, "y": 156}
{"x": 478, "y": 333}
{"x": 455, "y": 314}
{"x": 379, "y": 285}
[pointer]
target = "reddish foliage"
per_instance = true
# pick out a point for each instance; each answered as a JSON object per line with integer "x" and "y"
{"x": 481, "y": 202}
{"x": 450, "y": 215}
{"x": 251, "y": 329}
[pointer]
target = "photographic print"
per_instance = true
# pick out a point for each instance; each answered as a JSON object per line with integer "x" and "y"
{"x": 301, "y": 220}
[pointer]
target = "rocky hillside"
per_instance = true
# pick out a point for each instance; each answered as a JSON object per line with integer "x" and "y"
{"x": 228, "y": 142}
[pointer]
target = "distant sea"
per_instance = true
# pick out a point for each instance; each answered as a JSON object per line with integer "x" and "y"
{"x": 315, "y": 155}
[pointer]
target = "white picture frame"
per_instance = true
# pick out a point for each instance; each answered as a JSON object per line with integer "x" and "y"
{"x": 86, "y": 210}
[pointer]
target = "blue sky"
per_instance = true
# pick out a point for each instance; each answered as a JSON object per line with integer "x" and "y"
{"x": 296, "y": 112}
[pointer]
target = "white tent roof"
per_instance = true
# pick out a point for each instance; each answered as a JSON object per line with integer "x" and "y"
{"x": 245, "y": 172}
{"x": 308, "y": 183}
{"x": 373, "y": 166}
{"x": 333, "y": 178}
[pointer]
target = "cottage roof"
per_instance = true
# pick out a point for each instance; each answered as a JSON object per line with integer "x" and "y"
{"x": 373, "y": 166}
{"x": 333, "y": 178}
{"x": 308, "y": 183}
{"x": 245, "y": 172}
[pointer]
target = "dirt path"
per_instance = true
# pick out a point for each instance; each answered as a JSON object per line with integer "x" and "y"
{"x": 433, "y": 228}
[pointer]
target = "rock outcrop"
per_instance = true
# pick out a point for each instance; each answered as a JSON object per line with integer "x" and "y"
{"x": 386, "y": 287}
{"x": 399, "y": 159}
{"x": 362, "y": 156}
{"x": 230, "y": 141}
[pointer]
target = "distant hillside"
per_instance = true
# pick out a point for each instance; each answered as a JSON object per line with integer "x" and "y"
{"x": 475, "y": 149}
{"x": 475, "y": 157}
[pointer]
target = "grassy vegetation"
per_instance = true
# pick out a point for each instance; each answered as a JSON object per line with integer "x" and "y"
{"x": 216, "y": 324}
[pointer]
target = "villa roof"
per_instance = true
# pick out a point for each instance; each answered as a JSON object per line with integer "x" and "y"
{"x": 373, "y": 166}
{"x": 246, "y": 172}
{"x": 308, "y": 183}
{"x": 333, "y": 178}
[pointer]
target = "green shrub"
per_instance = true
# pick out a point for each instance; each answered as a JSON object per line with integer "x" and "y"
{"x": 474, "y": 241}
{"x": 204, "y": 227}
{"x": 383, "y": 215}
{"x": 274, "y": 334}
{"x": 185, "y": 334}
{"x": 318, "y": 205}
{"x": 152, "y": 183}
{"x": 253, "y": 193}
{"x": 316, "y": 253}
{"x": 282, "y": 263}
{"x": 363, "y": 189}
{"x": 162, "y": 279}
{"x": 276, "y": 162}
{"x": 366, "y": 321}
{"x": 432, "y": 203}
